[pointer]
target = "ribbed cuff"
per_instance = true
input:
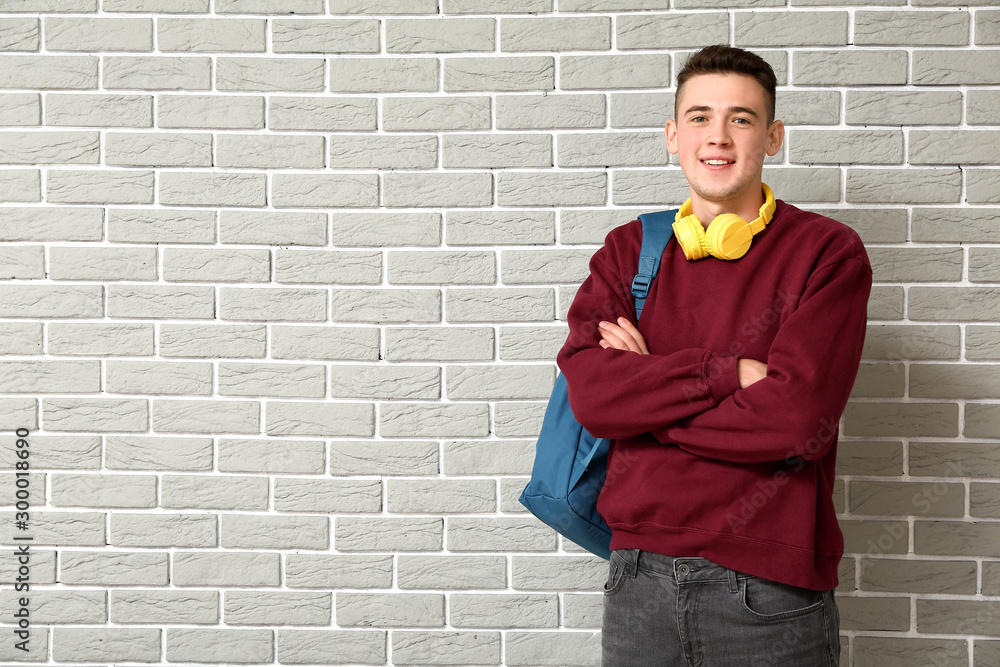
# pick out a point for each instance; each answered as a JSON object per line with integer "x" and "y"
{"x": 721, "y": 376}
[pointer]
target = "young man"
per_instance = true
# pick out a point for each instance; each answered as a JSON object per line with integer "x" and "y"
{"x": 723, "y": 402}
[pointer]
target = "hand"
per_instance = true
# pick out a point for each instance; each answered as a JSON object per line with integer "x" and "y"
{"x": 750, "y": 371}
{"x": 622, "y": 336}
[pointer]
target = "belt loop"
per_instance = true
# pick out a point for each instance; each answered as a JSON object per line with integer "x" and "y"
{"x": 732, "y": 581}
{"x": 632, "y": 562}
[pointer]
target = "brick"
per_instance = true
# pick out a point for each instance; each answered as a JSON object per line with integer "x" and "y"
{"x": 952, "y": 147}
{"x": 272, "y": 304}
{"x": 981, "y": 420}
{"x": 953, "y": 381}
{"x": 504, "y": 74}
{"x": 491, "y": 457}
{"x": 499, "y": 228}
{"x": 957, "y": 616}
{"x": 981, "y": 187}
{"x": 265, "y": 7}
{"x": 383, "y": 458}
{"x": 210, "y": 341}
{"x": 951, "y": 225}
{"x": 504, "y": 611}
{"x": 903, "y": 107}
{"x": 164, "y": 607}
{"x": 874, "y": 225}
{"x": 493, "y": 382}
{"x": 451, "y": 572}
{"x": 837, "y": 68}
{"x": 325, "y": 36}
{"x": 22, "y": 263}
{"x": 211, "y": 35}
{"x": 19, "y": 34}
{"x": 911, "y": 28}
{"x": 618, "y": 149}
{"x": 435, "y": 113}
{"x": 422, "y": 420}
{"x": 589, "y": 227}
{"x": 324, "y": 190}
{"x": 981, "y": 265}
{"x": 641, "y": 110}
{"x": 104, "y": 568}
{"x": 212, "y": 189}
{"x": 614, "y": 72}
{"x": 196, "y": 265}
{"x": 388, "y": 535}
{"x": 497, "y": 151}
{"x": 310, "y": 647}
{"x": 98, "y": 34}
{"x": 18, "y": 413}
{"x": 816, "y": 184}
{"x": 106, "y": 644}
{"x": 502, "y": 304}
{"x": 383, "y": 7}
{"x": 441, "y": 496}
{"x": 20, "y": 109}
{"x": 644, "y": 187}
{"x": 201, "y": 416}
{"x": 50, "y": 301}
{"x": 487, "y": 6}
{"x": 320, "y": 419}
{"x": 105, "y": 264}
{"x": 289, "y": 380}
{"x": 271, "y": 608}
{"x": 383, "y": 152}
{"x": 327, "y": 496}
{"x": 556, "y": 34}
{"x": 552, "y": 189}
{"x": 991, "y": 577}
{"x": 332, "y": 572}
{"x": 907, "y": 498}
{"x": 987, "y": 28}
{"x": 437, "y": 267}
{"x": 20, "y": 185}
{"x": 953, "y": 538}
{"x": 984, "y": 500}
{"x": 917, "y": 265}
{"x": 239, "y": 646}
{"x": 981, "y": 343}
{"x": 954, "y": 67}
{"x": 950, "y": 459}
{"x": 131, "y": 491}
{"x": 21, "y": 338}
{"x": 95, "y": 414}
{"x": 48, "y": 376}
{"x": 911, "y": 186}
{"x": 521, "y": 267}
{"x": 899, "y": 419}
{"x": 437, "y": 189}
{"x": 159, "y": 226}
{"x": 874, "y": 613}
{"x": 269, "y": 74}
{"x": 272, "y": 456}
{"x": 806, "y": 107}
{"x": 248, "y": 531}
{"x": 439, "y": 35}
{"x": 390, "y": 610}
{"x": 982, "y": 107}
{"x": 270, "y": 152}
{"x": 61, "y": 528}
{"x": 384, "y": 75}
{"x": 386, "y": 229}
{"x": 223, "y": 112}
{"x": 553, "y": 648}
{"x": 158, "y": 6}
{"x": 158, "y": 301}
{"x": 58, "y": 607}
{"x": 94, "y": 187}
{"x": 583, "y": 611}
{"x": 578, "y": 573}
{"x": 164, "y": 530}
{"x": 846, "y": 147}
{"x": 157, "y": 73}
{"x": 199, "y": 568}
{"x": 43, "y": 72}
{"x": 160, "y": 150}
{"x": 787, "y": 29}
{"x": 439, "y": 344}
{"x": 205, "y": 492}
{"x": 550, "y": 111}
{"x": 34, "y": 147}
{"x": 273, "y": 228}
{"x": 968, "y": 303}
{"x": 326, "y": 267}
{"x": 378, "y": 306}
{"x": 673, "y": 30}
{"x": 160, "y": 454}
{"x": 887, "y": 650}
{"x": 327, "y": 114}
{"x": 328, "y": 343}
{"x": 446, "y": 648}
{"x": 914, "y": 342}
{"x": 918, "y": 576}
{"x": 385, "y": 382}
{"x": 499, "y": 534}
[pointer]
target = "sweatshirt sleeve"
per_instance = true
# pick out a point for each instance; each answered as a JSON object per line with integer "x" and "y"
{"x": 811, "y": 366}
{"x": 616, "y": 394}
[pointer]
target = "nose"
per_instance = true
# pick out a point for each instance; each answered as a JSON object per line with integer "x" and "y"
{"x": 719, "y": 132}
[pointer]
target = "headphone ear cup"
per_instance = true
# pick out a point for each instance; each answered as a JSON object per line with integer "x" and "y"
{"x": 729, "y": 236}
{"x": 690, "y": 235}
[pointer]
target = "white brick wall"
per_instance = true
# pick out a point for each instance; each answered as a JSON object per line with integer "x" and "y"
{"x": 282, "y": 282}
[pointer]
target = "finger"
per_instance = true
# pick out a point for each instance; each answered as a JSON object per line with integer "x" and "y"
{"x": 613, "y": 341}
{"x": 620, "y": 338}
{"x": 634, "y": 333}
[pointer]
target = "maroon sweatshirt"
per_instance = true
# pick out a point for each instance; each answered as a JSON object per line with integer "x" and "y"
{"x": 698, "y": 466}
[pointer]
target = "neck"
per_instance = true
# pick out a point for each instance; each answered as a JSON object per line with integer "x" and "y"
{"x": 746, "y": 206}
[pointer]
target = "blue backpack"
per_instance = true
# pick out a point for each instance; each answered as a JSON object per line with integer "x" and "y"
{"x": 571, "y": 464}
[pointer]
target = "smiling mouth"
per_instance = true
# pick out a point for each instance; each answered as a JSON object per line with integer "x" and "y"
{"x": 718, "y": 163}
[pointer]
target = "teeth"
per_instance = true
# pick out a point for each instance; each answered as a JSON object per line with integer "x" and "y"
{"x": 717, "y": 162}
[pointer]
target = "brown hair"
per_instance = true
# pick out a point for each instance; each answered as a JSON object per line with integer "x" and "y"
{"x": 722, "y": 59}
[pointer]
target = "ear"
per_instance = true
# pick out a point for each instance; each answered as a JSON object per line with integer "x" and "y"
{"x": 775, "y": 135}
{"x": 671, "y": 129}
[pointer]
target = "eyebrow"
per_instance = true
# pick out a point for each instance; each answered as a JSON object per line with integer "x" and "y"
{"x": 701, "y": 109}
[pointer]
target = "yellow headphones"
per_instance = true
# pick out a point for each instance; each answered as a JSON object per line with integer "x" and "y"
{"x": 727, "y": 237}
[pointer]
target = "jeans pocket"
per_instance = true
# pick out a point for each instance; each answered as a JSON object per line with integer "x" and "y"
{"x": 770, "y": 600}
{"x": 616, "y": 575}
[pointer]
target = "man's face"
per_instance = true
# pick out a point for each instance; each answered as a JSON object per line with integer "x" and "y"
{"x": 721, "y": 136}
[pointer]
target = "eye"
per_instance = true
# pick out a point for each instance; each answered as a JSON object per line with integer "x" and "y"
{"x": 742, "y": 121}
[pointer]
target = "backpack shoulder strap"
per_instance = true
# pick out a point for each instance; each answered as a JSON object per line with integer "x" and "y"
{"x": 657, "y": 228}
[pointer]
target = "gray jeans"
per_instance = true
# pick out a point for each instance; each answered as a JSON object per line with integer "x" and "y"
{"x": 689, "y": 612}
